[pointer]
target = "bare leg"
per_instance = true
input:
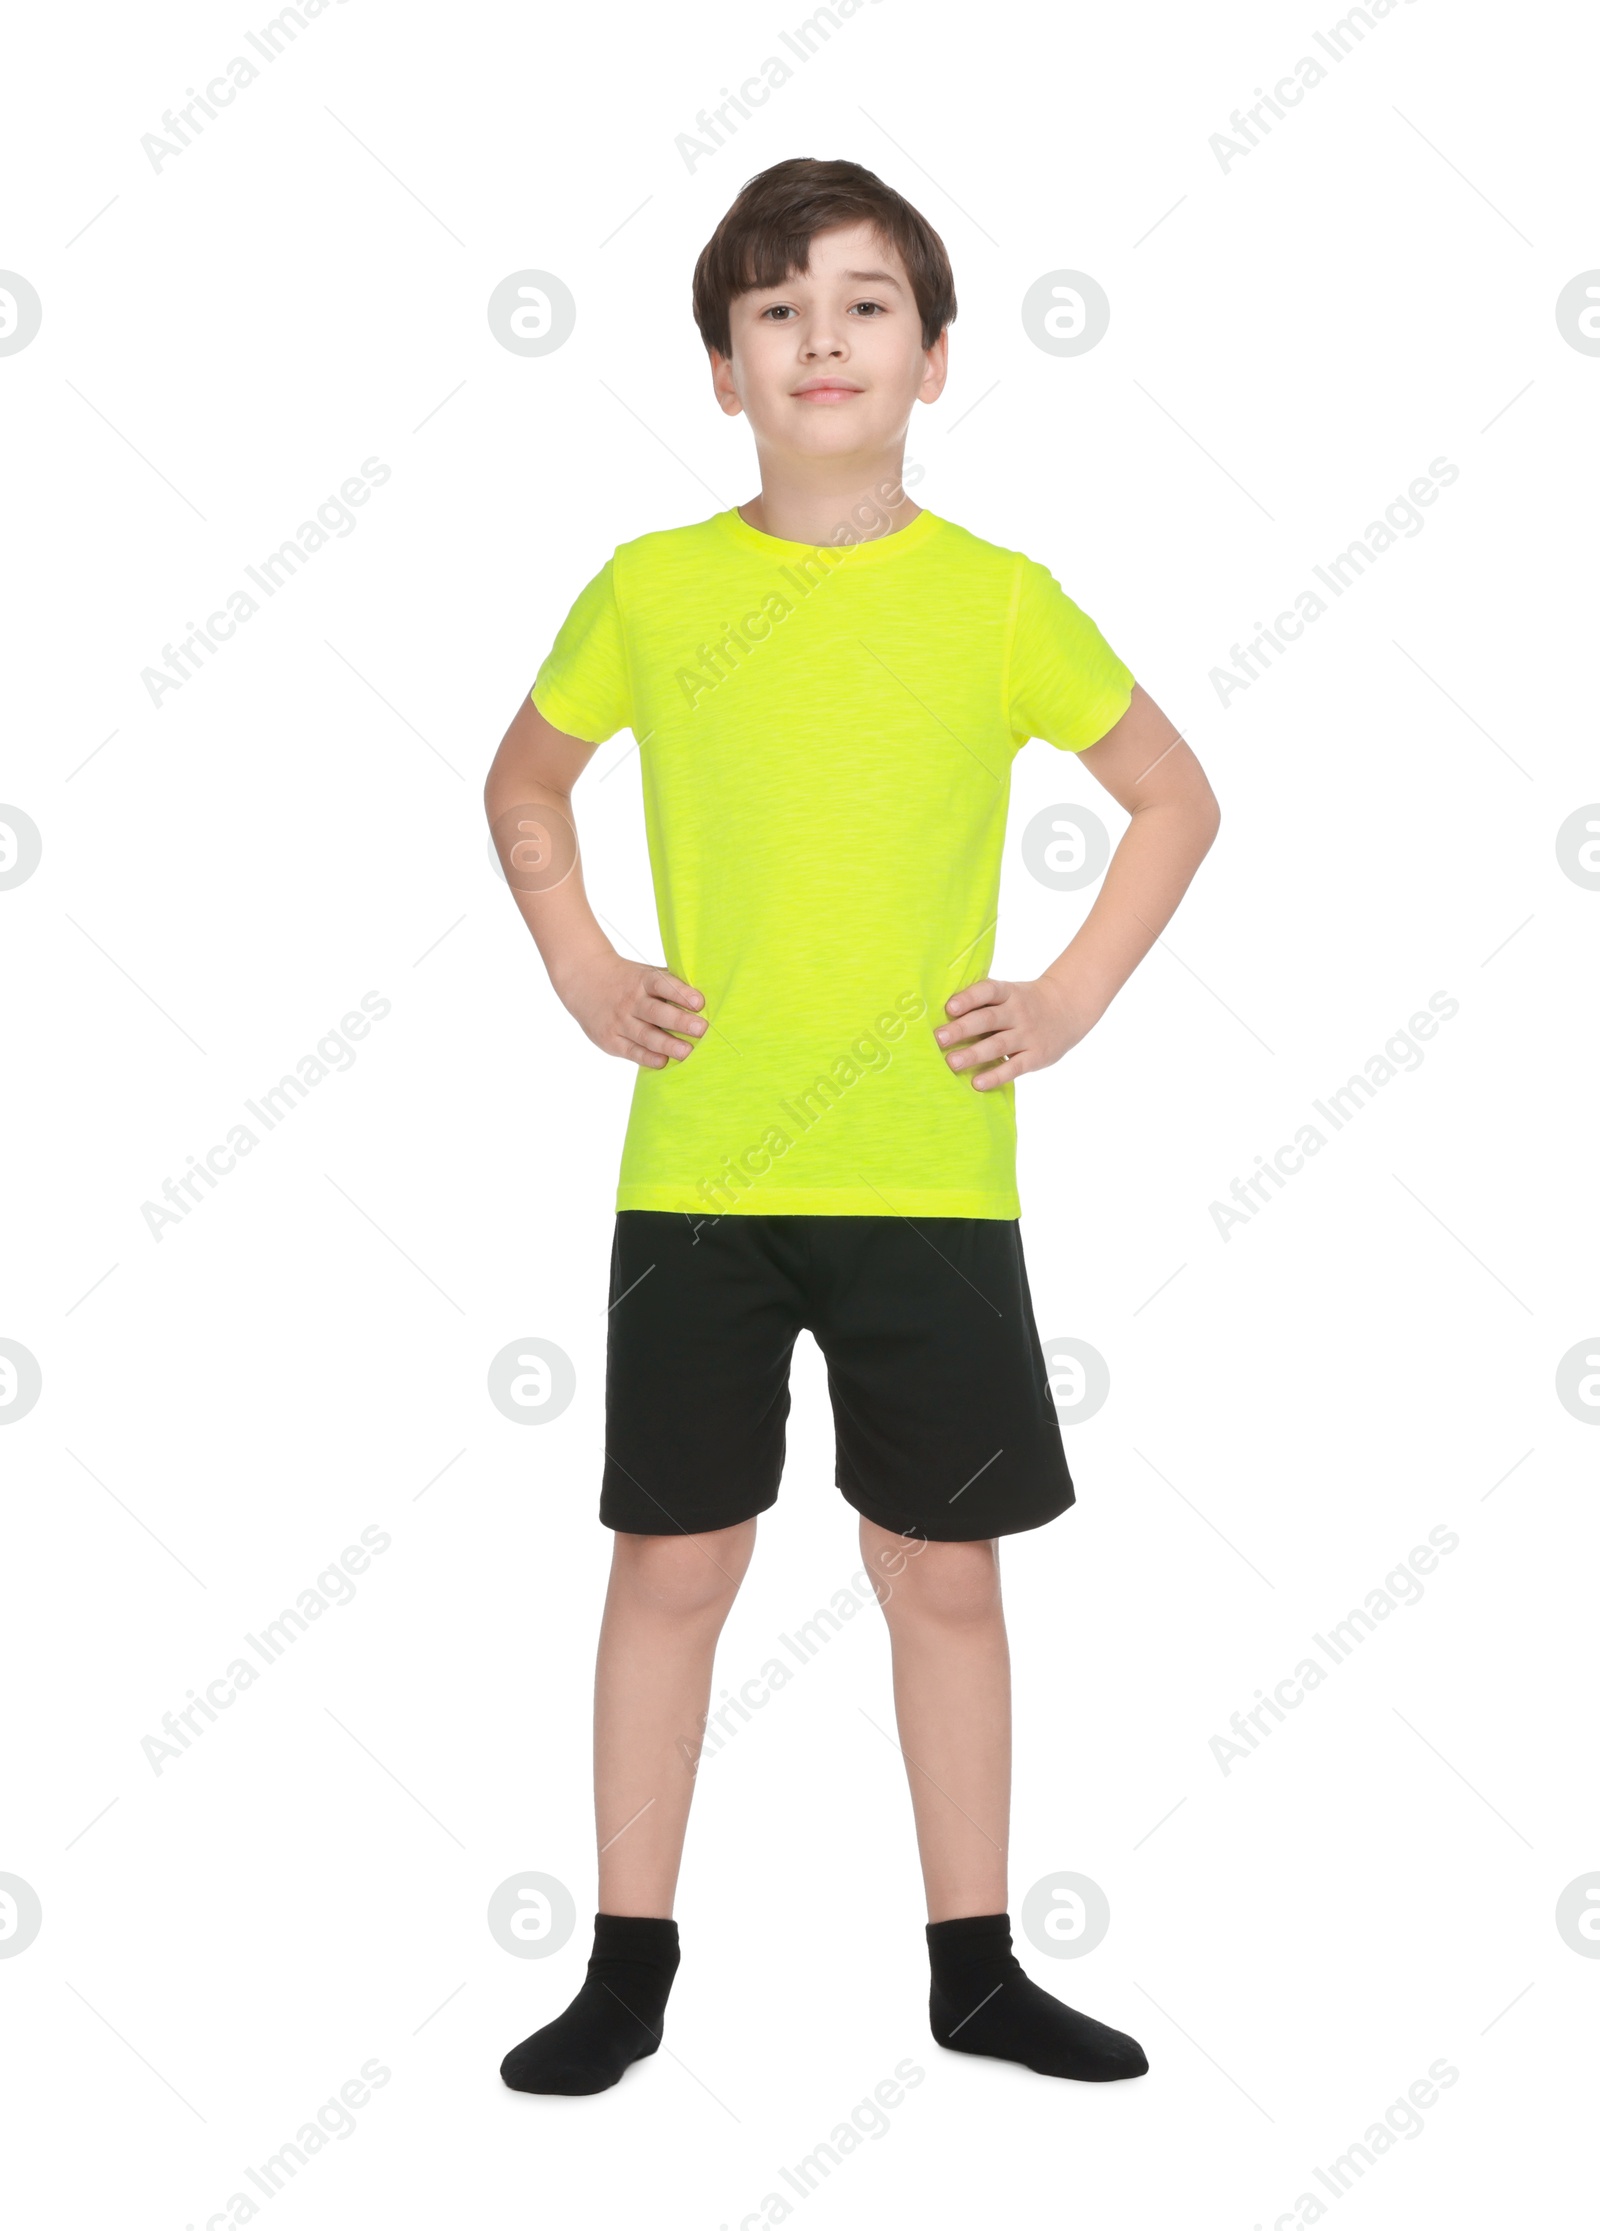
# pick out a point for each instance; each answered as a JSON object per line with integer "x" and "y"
{"x": 665, "y": 1606}
{"x": 952, "y": 1698}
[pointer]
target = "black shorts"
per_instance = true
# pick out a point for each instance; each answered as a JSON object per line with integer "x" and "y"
{"x": 944, "y": 1422}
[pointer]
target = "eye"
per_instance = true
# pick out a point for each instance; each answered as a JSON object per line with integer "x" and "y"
{"x": 867, "y": 305}
{"x": 783, "y": 308}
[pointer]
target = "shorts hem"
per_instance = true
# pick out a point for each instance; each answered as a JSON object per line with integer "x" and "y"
{"x": 893, "y": 1525}
{"x": 713, "y": 1523}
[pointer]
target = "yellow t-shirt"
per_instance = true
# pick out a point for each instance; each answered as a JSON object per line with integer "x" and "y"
{"x": 826, "y": 737}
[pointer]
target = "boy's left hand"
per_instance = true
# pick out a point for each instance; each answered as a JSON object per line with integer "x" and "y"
{"x": 1001, "y": 1031}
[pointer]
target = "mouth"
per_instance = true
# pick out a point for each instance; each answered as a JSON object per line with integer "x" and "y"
{"x": 826, "y": 391}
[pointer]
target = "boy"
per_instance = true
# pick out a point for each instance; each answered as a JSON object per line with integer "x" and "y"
{"x": 828, "y": 685}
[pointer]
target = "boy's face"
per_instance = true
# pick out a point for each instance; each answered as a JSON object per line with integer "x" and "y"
{"x": 828, "y": 364}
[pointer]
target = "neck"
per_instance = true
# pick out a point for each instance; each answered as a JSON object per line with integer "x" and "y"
{"x": 857, "y": 500}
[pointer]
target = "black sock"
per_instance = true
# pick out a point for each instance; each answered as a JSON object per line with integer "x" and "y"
{"x": 614, "y": 2020}
{"x": 982, "y": 2001}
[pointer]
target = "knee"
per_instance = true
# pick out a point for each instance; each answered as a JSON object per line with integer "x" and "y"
{"x": 955, "y": 1583}
{"x": 676, "y": 1574}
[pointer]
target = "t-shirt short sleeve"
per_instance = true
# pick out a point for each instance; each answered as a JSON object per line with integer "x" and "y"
{"x": 582, "y": 687}
{"x": 1066, "y": 683}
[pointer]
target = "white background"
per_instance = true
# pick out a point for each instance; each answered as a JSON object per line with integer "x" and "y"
{"x": 305, "y": 1354}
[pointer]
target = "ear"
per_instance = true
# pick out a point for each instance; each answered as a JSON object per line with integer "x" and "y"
{"x": 722, "y": 385}
{"x": 938, "y": 369}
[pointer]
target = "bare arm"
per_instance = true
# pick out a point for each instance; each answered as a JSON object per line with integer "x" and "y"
{"x": 1155, "y": 777}
{"x": 627, "y": 1007}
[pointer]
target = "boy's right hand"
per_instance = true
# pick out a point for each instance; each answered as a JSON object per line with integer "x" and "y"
{"x": 633, "y": 1009}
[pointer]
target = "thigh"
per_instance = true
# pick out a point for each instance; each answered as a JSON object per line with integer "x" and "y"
{"x": 944, "y": 1421}
{"x": 701, "y": 1325}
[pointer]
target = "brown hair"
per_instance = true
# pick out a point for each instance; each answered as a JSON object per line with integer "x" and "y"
{"x": 766, "y": 236}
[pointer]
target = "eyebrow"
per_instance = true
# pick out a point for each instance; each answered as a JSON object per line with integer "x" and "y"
{"x": 882, "y": 278}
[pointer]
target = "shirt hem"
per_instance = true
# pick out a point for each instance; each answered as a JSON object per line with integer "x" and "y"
{"x": 564, "y": 713}
{"x": 851, "y": 1200}
{"x": 1104, "y": 716}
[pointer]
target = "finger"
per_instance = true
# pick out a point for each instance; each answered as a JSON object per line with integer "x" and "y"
{"x": 991, "y": 1048}
{"x": 662, "y": 984}
{"x": 995, "y": 1078}
{"x": 978, "y": 1022}
{"x": 656, "y": 1041}
{"x": 667, "y": 1017}
{"x": 996, "y": 1037}
{"x": 986, "y": 992}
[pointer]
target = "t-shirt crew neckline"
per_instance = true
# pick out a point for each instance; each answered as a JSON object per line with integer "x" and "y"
{"x": 879, "y": 546}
